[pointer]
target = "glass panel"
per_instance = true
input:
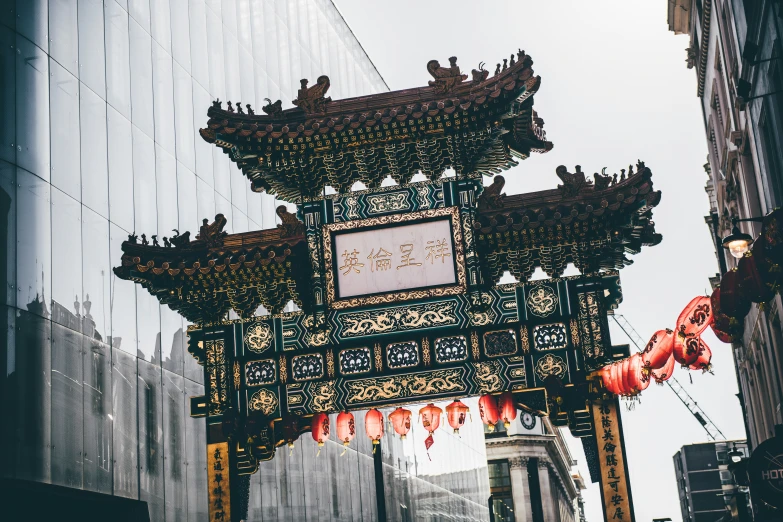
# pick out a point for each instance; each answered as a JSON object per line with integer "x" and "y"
{"x": 29, "y": 397}
{"x": 32, "y": 108}
{"x": 239, "y": 185}
{"x": 95, "y": 176}
{"x": 196, "y": 456}
{"x": 151, "y": 488}
{"x": 8, "y": 233}
{"x": 229, "y": 16}
{"x": 66, "y": 260}
{"x": 222, "y": 206}
{"x": 161, "y": 23}
{"x": 254, "y": 210}
{"x": 239, "y": 220}
{"x": 180, "y": 33}
{"x": 32, "y": 21}
{"x": 141, "y": 79}
{"x": 97, "y": 416}
{"x": 122, "y": 301}
{"x": 63, "y": 34}
{"x": 120, "y": 170}
{"x": 244, "y": 24}
{"x": 67, "y": 445}
{"x": 117, "y": 58}
{"x": 221, "y": 168}
{"x": 126, "y": 429}
{"x": 140, "y": 12}
{"x": 183, "y": 117}
{"x": 174, "y": 446}
{"x": 198, "y": 42}
{"x": 206, "y": 201}
{"x": 163, "y": 89}
{"x": 231, "y": 67}
{"x": 204, "y": 167}
{"x": 166, "y": 180}
{"x": 148, "y": 318}
{"x": 64, "y": 106}
{"x": 217, "y": 87}
{"x": 33, "y": 233}
{"x": 92, "y": 62}
{"x": 186, "y": 199}
{"x": 8, "y": 94}
{"x": 144, "y": 185}
{"x": 173, "y": 340}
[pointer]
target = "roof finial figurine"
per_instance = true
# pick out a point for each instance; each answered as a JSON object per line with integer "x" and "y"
{"x": 572, "y": 183}
{"x": 132, "y": 238}
{"x": 640, "y": 165}
{"x": 505, "y": 64}
{"x": 614, "y": 179}
{"x": 178, "y": 240}
{"x": 480, "y": 74}
{"x": 166, "y": 242}
{"x": 212, "y": 234}
{"x": 154, "y": 238}
{"x": 144, "y": 240}
{"x": 492, "y": 197}
{"x": 249, "y": 109}
{"x": 240, "y": 110}
{"x": 313, "y": 99}
{"x": 512, "y": 62}
{"x": 446, "y": 78}
{"x": 630, "y": 170}
{"x": 230, "y": 107}
{"x": 290, "y": 225}
{"x": 602, "y": 180}
{"x": 520, "y": 55}
{"x": 622, "y": 174}
{"x": 217, "y": 104}
{"x": 275, "y": 110}
{"x": 497, "y": 70}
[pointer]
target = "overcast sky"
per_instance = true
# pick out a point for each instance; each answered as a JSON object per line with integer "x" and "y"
{"x": 614, "y": 89}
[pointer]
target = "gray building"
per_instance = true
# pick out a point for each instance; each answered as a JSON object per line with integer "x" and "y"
{"x": 102, "y": 101}
{"x": 530, "y": 473}
{"x": 706, "y": 487}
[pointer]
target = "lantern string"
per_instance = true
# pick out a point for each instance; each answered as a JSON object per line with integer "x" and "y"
{"x": 343, "y": 453}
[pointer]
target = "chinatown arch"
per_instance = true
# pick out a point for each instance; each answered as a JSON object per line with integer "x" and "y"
{"x": 397, "y": 286}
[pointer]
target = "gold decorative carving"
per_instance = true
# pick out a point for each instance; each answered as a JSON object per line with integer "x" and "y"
{"x": 517, "y": 373}
{"x": 474, "y": 344}
{"x": 425, "y": 351}
{"x": 399, "y": 319}
{"x": 574, "y": 333}
{"x": 313, "y": 338}
{"x": 398, "y": 386}
{"x": 325, "y": 396}
{"x": 283, "y": 370}
{"x": 488, "y": 377}
{"x": 330, "y": 363}
{"x": 523, "y": 337}
{"x": 217, "y": 376}
{"x": 263, "y": 401}
{"x": 459, "y": 258}
{"x": 391, "y": 202}
{"x": 541, "y": 300}
{"x": 258, "y": 338}
{"x": 550, "y": 365}
{"x": 237, "y": 375}
{"x": 378, "y": 357}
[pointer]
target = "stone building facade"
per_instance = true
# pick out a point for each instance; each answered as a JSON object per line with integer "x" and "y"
{"x": 530, "y": 473}
{"x": 735, "y": 51}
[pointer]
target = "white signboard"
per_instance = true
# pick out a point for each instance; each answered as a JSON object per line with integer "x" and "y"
{"x": 393, "y": 259}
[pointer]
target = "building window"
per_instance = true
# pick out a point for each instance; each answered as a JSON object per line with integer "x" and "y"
{"x": 500, "y": 488}
{"x": 771, "y": 153}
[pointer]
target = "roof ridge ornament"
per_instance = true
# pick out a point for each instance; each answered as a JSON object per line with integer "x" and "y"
{"x": 313, "y": 99}
{"x": 446, "y": 78}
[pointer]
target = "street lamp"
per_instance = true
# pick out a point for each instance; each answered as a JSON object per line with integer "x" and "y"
{"x": 735, "y": 455}
{"x": 738, "y": 242}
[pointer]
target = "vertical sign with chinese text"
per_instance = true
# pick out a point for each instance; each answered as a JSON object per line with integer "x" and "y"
{"x": 615, "y": 485}
{"x": 218, "y": 482}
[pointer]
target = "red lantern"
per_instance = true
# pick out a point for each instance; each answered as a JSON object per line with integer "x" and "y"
{"x": 639, "y": 379}
{"x": 658, "y": 349}
{"x": 319, "y": 427}
{"x": 456, "y": 412}
{"x": 346, "y": 428}
{"x": 732, "y": 302}
{"x": 488, "y": 411}
{"x": 696, "y": 317}
{"x": 686, "y": 350}
{"x": 373, "y": 425}
{"x": 430, "y": 419}
{"x": 704, "y": 359}
{"x": 507, "y": 408}
{"x": 608, "y": 378}
{"x": 751, "y": 282}
{"x": 401, "y": 421}
{"x": 772, "y": 236}
{"x": 665, "y": 373}
{"x": 625, "y": 377}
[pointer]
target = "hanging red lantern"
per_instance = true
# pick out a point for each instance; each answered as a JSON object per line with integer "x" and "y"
{"x": 665, "y": 373}
{"x": 686, "y": 350}
{"x": 373, "y": 425}
{"x": 346, "y": 428}
{"x": 641, "y": 379}
{"x": 507, "y": 408}
{"x": 401, "y": 421}
{"x": 430, "y": 419}
{"x": 751, "y": 283}
{"x": 695, "y": 317}
{"x": 488, "y": 411}
{"x": 658, "y": 349}
{"x": 772, "y": 236}
{"x": 703, "y": 362}
{"x": 456, "y": 413}
{"x": 319, "y": 427}
{"x": 732, "y": 301}
{"x": 625, "y": 377}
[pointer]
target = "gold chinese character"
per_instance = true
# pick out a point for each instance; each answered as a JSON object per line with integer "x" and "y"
{"x": 382, "y": 260}
{"x": 407, "y": 260}
{"x": 437, "y": 250}
{"x": 351, "y": 262}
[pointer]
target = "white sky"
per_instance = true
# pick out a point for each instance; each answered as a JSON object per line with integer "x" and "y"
{"x": 615, "y": 89}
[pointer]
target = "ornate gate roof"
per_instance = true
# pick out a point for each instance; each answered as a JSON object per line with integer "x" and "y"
{"x": 478, "y": 125}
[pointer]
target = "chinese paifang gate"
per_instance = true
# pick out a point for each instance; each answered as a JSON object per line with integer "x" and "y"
{"x": 397, "y": 286}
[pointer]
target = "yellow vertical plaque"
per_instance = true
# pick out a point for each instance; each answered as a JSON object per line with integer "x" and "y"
{"x": 218, "y": 482}
{"x": 615, "y": 486}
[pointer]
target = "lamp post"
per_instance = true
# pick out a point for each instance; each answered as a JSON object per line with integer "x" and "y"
{"x": 738, "y": 242}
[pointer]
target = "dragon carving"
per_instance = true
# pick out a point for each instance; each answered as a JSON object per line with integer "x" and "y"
{"x": 313, "y": 99}
{"x": 290, "y": 226}
{"x": 446, "y": 78}
{"x": 574, "y": 183}
{"x": 213, "y": 234}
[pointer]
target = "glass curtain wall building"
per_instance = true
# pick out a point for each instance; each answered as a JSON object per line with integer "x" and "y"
{"x": 102, "y": 101}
